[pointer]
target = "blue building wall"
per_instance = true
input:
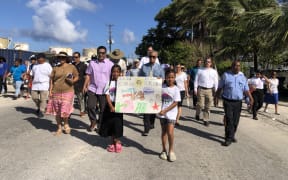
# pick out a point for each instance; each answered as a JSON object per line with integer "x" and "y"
{"x": 11, "y": 54}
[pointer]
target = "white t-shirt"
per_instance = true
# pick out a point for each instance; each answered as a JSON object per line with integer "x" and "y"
{"x": 170, "y": 95}
{"x": 180, "y": 80}
{"x": 273, "y": 85}
{"x": 41, "y": 76}
{"x": 145, "y": 60}
{"x": 258, "y": 82}
{"x": 111, "y": 90}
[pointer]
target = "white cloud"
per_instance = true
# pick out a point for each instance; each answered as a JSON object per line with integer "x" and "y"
{"x": 128, "y": 36}
{"x": 51, "y": 19}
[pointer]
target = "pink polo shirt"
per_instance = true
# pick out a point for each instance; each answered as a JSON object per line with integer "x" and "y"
{"x": 99, "y": 72}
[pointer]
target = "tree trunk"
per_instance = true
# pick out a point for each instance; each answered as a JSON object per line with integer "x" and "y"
{"x": 255, "y": 59}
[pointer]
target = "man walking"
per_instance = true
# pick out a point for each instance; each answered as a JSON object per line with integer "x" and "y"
{"x": 258, "y": 94}
{"x": 78, "y": 86}
{"x": 40, "y": 85}
{"x": 233, "y": 84}
{"x": 97, "y": 75}
{"x": 146, "y": 59}
{"x": 151, "y": 69}
{"x": 3, "y": 72}
{"x": 192, "y": 75}
{"x": 205, "y": 86}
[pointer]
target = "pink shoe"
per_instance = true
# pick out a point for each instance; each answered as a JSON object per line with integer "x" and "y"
{"x": 118, "y": 147}
{"x": 111, "y": 148}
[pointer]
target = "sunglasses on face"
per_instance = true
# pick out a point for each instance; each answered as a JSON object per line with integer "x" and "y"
{"x": 154, "y": 57}
{"x": 102, "y": 53}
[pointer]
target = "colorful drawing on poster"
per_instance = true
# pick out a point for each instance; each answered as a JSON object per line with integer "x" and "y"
{"x": 138, "y": 95}
{"x": 155, "y": 106}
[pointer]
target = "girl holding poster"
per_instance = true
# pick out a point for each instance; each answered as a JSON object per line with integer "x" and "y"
{"x": 170, "y": 98}
{"x": 112, "y": 124}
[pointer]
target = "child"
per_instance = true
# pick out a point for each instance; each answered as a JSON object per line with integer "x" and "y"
{"x": 170, "y": 98}
{"x": 112, "y": 124}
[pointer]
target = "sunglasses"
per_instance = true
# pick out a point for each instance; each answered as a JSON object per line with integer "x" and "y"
{"x": 101, "y": 52}
{"x": 154, "y": 57}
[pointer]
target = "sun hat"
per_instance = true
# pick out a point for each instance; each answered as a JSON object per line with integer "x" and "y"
{"x": 116, "y": 54}
{"x": 62, "y": 54}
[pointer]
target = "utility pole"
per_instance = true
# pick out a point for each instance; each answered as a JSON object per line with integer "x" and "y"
{"x": 110, "y": 40}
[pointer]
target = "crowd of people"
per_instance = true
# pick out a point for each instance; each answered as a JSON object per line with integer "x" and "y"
{"x": 94, "y": 85}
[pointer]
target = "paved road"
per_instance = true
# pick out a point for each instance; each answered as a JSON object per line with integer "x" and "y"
{"x": 28, "y": 150}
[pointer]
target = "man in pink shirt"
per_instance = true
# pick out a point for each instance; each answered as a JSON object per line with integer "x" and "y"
{"x": 97, "y": 75}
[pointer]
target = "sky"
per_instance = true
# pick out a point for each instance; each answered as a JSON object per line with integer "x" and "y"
{"x": 78, "y": 23}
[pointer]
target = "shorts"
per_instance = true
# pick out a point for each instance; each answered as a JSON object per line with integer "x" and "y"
{"x": 164, "y": 121}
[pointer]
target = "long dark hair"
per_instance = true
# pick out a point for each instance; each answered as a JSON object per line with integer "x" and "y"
{"x": 113, "y": 67}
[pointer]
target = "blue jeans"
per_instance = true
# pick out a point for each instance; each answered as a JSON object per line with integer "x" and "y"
{"x": 17, "y": 86}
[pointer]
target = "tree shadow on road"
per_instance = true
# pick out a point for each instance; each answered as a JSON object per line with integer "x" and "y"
{"x": 77, "y": 124}
{"x": 203, "y": 134}
{"x": 25, "y": 110}
{"x": 131, "y": 143}
{"x": 42, "y": 124}
{"x": 96, "y": 140}
{"x": 92, "y": 139}
{"x": 131, "y": 125}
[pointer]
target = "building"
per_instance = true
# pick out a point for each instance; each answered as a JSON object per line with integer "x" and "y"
{"x": 4, "y": 43}
{"x": 56, "y": 50}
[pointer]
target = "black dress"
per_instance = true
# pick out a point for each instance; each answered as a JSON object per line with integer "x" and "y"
{"x": 112, "y": 124}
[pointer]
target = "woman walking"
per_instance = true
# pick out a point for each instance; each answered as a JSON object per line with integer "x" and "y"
{"x": 61, "y": 92}
{"x": 271, "y": 97}
{"x": 182, "y": 84}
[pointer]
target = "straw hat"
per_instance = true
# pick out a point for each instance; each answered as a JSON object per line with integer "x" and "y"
{"x": 116, "y": 54}
{"x": 62, "y": 54}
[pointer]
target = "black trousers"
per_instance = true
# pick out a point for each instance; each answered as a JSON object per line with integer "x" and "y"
{"x": 1, "y": 84}
{"x": 195, "y": 99}
{"x": 232, "y": 111}
{"x": 149, "y": 120}
{"x": 92, "y": 101}
{"x": 258, "y": 96}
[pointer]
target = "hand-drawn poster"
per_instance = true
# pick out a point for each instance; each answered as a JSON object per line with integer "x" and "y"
{"x": 138, "y": 95}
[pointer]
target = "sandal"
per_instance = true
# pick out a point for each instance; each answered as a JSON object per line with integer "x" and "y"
{"x": 111, "y": 148}
{"x": 58, "y": 132}
{"x": 118, "y": 147}
{"x": 67, "y": 129}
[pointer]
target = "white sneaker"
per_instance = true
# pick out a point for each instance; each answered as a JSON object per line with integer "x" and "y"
{"x": 172, "y": 157}
{"x": 163, "y": 155}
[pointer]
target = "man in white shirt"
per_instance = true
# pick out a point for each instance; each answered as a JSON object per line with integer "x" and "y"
{"x": 116, "y": 57}
{"x": 205, "y": 86}
{"x": 146, "y": 59}
{"x": 258, "y": 95}
{"x": 40, "y": 84}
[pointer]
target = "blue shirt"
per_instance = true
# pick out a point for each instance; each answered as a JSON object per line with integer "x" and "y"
{"x": 157, "y": 70}
{"x": 193, "y": 73}
{"x": 17, "y": 72}
{"x": 234, "y": 85}
{"x": 3, "y": 68}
